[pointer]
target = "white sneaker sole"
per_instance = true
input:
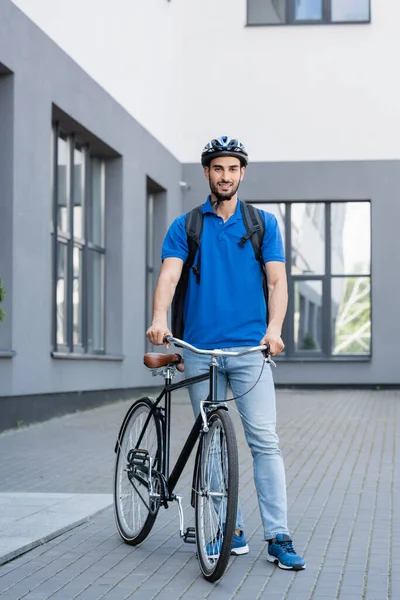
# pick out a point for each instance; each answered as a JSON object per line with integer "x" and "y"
{"x": 273, "y": 559}
{"x": 234, "y": 552}
{"x": 240, "y": 551}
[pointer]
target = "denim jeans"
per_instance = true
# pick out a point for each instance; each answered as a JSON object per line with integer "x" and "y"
{"x": 258, "y": 413}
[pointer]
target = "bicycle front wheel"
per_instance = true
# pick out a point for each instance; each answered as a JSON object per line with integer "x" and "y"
{"x": 139, "y": 456}
{"x": 216, "y": 495}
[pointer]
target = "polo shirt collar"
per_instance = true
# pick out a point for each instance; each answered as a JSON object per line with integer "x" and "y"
{"x": 207, "y": 208}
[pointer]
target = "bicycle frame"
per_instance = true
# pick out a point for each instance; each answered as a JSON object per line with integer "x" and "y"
{"x": 200, "y": 425}
{"x": 144, "y": 480}
{"x": 171, "y": 479}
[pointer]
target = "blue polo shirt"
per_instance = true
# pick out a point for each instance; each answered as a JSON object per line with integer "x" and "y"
{"x": 227, "y": 308}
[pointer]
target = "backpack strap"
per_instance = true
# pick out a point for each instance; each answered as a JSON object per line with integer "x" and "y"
{"x": 194, "y": 224}
{"x": 193, "y": 228}
{"x": 255, "y": 228}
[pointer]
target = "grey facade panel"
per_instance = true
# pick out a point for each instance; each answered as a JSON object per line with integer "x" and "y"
{"x": 35, "y": 77}
{"x": 6, "y": 203}
{"x": 114, "y": 262}
{"x": 376, "y": 181}
{"x": 44, "y": 77}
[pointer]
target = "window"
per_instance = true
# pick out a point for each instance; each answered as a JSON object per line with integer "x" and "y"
{"x": 78, "y": 246}
{"x": 328, "y": 262}
{"x": 297, "y": 12}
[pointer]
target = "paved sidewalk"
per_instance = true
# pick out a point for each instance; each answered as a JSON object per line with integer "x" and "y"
{"x": 342, "y": 458}
{"x": 28, "y": 520}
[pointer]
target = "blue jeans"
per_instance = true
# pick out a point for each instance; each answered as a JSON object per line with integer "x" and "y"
{"x": 258, "y": 413}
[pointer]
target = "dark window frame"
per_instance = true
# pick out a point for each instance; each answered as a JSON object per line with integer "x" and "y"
{"x": 288, "y": 331}
{"x": 291, "y": 20}
{"x": 83, "y": 244}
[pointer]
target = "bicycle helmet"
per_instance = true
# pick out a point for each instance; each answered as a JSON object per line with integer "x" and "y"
{"x": 224, "y": 146}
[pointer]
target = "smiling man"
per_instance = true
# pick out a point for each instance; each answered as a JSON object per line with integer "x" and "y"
{"x": 226, "y": 308}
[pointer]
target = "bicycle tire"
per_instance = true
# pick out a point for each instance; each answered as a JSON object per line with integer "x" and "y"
{"x": 134, "y": 518}
{"x": 216, "y": 519}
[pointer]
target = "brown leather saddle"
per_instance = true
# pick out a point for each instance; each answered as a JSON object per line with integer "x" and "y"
{"x": 155, "y": 360}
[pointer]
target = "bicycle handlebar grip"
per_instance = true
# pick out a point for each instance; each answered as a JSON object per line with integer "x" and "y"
{"x": 169, "y": 339}
{"x": 267, "y": 350}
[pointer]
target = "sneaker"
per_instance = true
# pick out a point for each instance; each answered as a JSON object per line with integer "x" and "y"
{"x": 282, "y": 553}
{"x": 239, "y": 546}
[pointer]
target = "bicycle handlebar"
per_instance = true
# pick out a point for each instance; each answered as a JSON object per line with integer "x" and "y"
{"x": 216, "y": 352}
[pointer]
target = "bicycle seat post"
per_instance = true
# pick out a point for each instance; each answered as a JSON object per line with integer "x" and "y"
{"x": 168, "y": 375}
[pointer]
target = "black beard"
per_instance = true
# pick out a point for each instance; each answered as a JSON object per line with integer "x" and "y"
{"x": 223, "y": 197}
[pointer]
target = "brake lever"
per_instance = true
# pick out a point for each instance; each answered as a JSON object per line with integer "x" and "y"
{"x": 268, "y": 357}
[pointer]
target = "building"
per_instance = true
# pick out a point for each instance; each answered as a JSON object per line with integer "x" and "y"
{"x": 104, "y": 110}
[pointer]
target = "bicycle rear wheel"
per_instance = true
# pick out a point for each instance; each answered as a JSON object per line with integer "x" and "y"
{"x": 135, "y": 509}
{"x": 216, "y": 495}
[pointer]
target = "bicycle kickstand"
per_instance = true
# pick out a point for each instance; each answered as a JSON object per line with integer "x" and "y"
{"x": 189, "y": 536}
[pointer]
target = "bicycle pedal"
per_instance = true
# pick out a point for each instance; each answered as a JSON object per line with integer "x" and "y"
{"x": 190, "y": 535}
{"x": 138, "y": 457}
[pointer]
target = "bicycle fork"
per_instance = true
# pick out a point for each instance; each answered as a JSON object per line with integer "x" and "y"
{"x": 189, "y": 536}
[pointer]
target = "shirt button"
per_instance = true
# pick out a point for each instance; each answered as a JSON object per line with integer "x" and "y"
{"x": 220, "y": 222}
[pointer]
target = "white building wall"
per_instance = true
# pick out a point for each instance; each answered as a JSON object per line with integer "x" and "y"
{"x": 191, "y": 70}
{"x": 292, "y": 92}
{"x": 132, "y": 48}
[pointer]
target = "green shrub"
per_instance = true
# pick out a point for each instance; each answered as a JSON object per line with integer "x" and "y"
{"x": 308, "y": 342}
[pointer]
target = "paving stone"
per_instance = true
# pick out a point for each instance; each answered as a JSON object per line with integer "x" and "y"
{"x": 342, "y": 460}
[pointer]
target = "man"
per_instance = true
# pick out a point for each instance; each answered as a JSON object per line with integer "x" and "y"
{"x": 228, "y": 310}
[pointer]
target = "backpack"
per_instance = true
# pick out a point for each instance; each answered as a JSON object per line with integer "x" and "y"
{"x": 255, "y": 228}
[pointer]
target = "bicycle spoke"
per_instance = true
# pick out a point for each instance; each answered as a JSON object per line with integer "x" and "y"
{"x": 134, "y": 513}
{"x": 216, "y": 497}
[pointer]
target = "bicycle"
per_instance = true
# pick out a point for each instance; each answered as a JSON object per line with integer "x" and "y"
{"x": 143, "y": 481}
